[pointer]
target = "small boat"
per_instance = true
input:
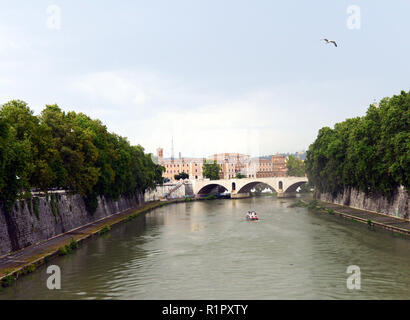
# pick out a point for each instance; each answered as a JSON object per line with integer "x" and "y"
{"x": 251, "y": 216}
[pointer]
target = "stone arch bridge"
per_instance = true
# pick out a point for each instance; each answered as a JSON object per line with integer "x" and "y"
{"x": 238, "y": 188}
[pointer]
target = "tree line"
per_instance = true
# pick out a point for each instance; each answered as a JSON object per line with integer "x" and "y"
{"x": 369, "y": 153}
{"x": 69, "y": 150}
{"x": 295, "y": 166}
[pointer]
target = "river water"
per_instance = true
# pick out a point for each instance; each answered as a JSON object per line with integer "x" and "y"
{"x": 207, "y": 250}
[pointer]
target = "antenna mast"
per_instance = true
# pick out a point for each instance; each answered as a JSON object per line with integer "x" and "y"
{"x": 172, "y": 149}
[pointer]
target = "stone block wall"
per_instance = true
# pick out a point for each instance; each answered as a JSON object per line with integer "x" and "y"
{"x": 396, "y": 207}
{"x": 57, "y": 214}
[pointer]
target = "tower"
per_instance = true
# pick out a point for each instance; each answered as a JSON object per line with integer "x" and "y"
{"x": 160, "y": 153}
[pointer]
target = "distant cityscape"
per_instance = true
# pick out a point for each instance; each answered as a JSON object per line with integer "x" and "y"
{"x": 232, "y": 165}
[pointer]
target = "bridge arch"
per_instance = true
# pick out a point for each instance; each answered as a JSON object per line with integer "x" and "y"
{"x": 287, "y": 184}
{"x": 209, "y": 188}
{"x": 249, "y": 186}
{"x": 293, "y": 187}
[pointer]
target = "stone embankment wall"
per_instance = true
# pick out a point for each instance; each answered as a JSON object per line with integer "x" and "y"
{"x": 396, "y": 207}
{"x": 42, "y": 218}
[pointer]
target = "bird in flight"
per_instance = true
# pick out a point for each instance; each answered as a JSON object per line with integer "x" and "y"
{"x": 330, "y": 41}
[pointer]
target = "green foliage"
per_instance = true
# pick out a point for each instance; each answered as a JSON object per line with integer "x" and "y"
{"x": 313, "y": 205}
{"x": 371, "y": 153}
{"x": 182, "y": 175}
{"x": 104, "y": 229}
{"x": 68, "y": 248}
{"x": 91, "y": 203}
{"x": 73, "y": 244}
{"x": 305, "y": 188}
{"x": 54, "y": 205}
{"x": 8, "y": 280}
{"x": 36, "y": 205}
{"x": 296, "y": 167}
{"x": 210, "y": 197}
{"x": 240, "y": 176}
{"x": 63, "y": 251}
{"x": 29, "y": 269}
{"x": 297, "y": 204}
{"x": 211, "y": 170}
{"x": 132, "y": 217}
{"x": 17, "y": 123}
{"x": 68, "y": 150}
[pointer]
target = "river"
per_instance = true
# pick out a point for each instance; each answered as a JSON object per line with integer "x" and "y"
{"x": 207, "y": 250}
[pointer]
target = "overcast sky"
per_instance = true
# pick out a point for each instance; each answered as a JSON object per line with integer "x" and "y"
{"x": 219, "y": 76}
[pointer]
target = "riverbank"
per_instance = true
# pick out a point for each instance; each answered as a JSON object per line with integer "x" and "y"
{"x": 19, "y": 263}
{"x": 374, "y": 220}
{"x": 183, "y": 251}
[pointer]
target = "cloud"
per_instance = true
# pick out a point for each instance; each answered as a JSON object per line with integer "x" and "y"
{"x": 111, "y": 87}
{"x": 150, "y": 109}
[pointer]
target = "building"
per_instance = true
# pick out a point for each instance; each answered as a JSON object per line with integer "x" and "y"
{"x": 265, "y": 168}
{"x": 275, "y": 166}
{"x": 279, "y": 166}
{"x": 191, "y": 166}
{"x": 231, "y": 165}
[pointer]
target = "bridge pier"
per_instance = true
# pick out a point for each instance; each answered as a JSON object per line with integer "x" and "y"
{"x": 282, "y": 194}
{"x": 240, "y": 195}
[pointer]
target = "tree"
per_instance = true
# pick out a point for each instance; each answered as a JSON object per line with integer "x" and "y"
{"x": 17, "y": 126}
{"x": 370, "y": 153}
{"x": 296, "y": 167}
{"x": 70, "y": 150}
{"x": 211, "y": 170}
{"x": 182, "y": 175}
{"x": 240, "y": 176}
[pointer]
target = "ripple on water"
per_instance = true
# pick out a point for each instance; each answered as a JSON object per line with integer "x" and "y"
{"x": 214, "y": 253}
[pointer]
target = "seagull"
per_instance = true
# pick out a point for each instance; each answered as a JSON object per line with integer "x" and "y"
{"x": 330, "y": 41}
